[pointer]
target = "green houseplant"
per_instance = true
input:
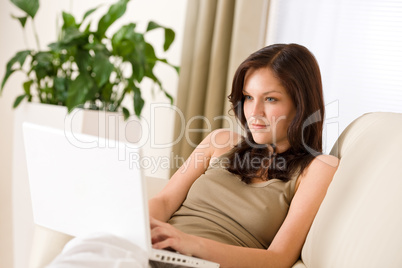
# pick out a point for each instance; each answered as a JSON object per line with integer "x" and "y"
{"x": 89, "y": 68}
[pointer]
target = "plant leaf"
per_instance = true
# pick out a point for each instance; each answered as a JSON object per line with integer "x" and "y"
{"x": 27, "y": 87}
{"x": 138, "y": 70}
{"x": 115, "y": 12}
{"x": 6, "y": 76}
{"x": 152, "y": 25}
{"x": 123, "y": 41}
{"x": 18, "y": 100}
{"x": 78, "y": 91}
{"x": 19, "y": 57}
{"x": 89, "y": 12}
{"x": 96, "y": 46}
{"x": 71, "y": 36}
{"x": 138, "y": 57}
{"x": 169, "y": 38}
{"x": 56, "y": 46}
{"x": 138, "y": 101}
{"x": 126, "y": 113}
{"x": 92, "y": 94}
{"x": 151, "y": 59}
{"x": 168, "y": 96}
{"x": 177, "y": 68}
{"x": 169, "y": 34}
{"x": 102, "y": 68}
{"x": 69, "y": 21}
{"x": 60, "y": 88}
{"x": 22, "y": 20}
{"x": 43, "y": 64}
{"x": 87, "y": 29}
{"x": 107, "y": 91}
{"x": 83, "y": 60}
{"x": 28, "y": 6}
{"x": 150, "y": 53}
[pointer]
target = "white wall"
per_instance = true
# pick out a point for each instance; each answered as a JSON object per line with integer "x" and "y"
{"x": 8, "y": 31}
{"x": 168, "y": 13}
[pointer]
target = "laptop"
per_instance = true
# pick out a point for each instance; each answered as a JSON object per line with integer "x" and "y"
{"x": 82, "y": 184}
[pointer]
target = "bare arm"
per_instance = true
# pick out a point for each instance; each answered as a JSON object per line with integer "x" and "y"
{"x": 165, "y": 203}
{"x": 285, "y": 248}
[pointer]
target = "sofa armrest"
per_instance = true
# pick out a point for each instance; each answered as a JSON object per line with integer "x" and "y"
{"x": 299, "y": 264}
{"x": 47, "y": 244}
{"x": 155, "y": 185}
{"x": 358, "y": 223}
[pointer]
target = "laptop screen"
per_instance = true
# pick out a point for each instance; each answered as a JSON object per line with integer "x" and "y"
{"x": 82, "y": 184}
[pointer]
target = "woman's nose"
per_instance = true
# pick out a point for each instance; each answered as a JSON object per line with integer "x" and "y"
{"x": 258, "y": 109}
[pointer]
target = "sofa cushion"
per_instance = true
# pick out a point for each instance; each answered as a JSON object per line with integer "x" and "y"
{"x": 359, "y": 223}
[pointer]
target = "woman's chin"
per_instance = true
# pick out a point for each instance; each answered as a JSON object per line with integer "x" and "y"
{"x": 261, "y": 138}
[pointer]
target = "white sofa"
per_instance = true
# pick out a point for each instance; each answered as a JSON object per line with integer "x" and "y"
{"x": 359, "y": 223}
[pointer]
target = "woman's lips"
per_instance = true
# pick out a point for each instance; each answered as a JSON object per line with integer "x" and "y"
{"x": 258, "y": 126}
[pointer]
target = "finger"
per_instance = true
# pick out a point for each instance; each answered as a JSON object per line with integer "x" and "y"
{"x": 155, "y": 223}
{"x": 157, "y": 237}
{"x": 152, "y": 221}
{"x": 167, "y": 243}
{"x": 160, "y": 233}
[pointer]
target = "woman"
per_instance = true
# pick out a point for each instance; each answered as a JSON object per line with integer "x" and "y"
{"x": 250, "y": 201}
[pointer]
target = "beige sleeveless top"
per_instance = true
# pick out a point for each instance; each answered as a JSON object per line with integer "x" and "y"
{"x": 220, "y": 207}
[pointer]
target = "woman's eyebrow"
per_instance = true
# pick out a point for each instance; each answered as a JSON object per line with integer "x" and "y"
{"x": 265, "y": 93}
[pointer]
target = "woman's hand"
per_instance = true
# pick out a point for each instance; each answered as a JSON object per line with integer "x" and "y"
{"x": 165, "y": 236}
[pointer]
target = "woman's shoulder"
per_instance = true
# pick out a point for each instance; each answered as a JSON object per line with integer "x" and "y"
{"x": 321, "y": 168}
{"x": 321, "y": 164}
{"x": 223, "y": 140}
{"x": 325, "y": 161}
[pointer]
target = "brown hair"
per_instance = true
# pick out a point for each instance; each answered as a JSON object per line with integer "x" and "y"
{"x": 298, "y": 71}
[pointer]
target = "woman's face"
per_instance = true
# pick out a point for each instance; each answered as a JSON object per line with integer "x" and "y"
{"x": 268, "y": 108}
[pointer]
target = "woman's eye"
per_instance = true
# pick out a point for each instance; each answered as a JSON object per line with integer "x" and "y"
{"x": 247, "y": 97}
{"x": 270, "y": 99}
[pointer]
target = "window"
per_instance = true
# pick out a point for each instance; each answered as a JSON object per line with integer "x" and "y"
{"x": 358, "y": 45}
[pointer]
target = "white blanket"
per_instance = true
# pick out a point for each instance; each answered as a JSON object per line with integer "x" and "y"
{"x": 100, "y": 251}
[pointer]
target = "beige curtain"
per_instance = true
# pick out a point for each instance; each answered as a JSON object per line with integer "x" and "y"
{"x": 218, "y": 35}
